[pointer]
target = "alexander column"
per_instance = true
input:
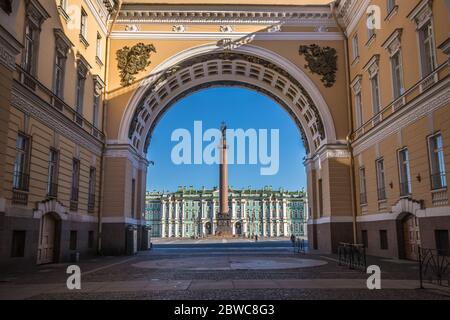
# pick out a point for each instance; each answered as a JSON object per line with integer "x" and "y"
{"x": 223, "y": 218}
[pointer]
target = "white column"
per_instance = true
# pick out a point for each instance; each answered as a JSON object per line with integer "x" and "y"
{"x": 233, "y": 209}
{"x": 177, "y": 219}
{"x": 163, "y": 219}
{"x": 182, "y": 215}
{"x": 264, "y": 214}
{"x": 285, "y": 230}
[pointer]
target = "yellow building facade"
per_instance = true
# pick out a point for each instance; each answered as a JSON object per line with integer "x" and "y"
{"x": 84, "y": 82}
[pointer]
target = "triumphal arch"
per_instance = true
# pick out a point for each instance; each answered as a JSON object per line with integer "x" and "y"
{"x": 159, "y": 53}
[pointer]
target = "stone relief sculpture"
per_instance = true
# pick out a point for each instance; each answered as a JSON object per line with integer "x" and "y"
{"x": 322, "y": 61}
{"x": 130, "y": 61}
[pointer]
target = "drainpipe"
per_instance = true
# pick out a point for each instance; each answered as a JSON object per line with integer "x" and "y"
{"x": 333, "y": 6}
{"x": 104, "y": 114}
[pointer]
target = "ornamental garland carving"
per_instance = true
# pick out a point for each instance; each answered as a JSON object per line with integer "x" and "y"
{"x": 322, "y": 61}
{"x": 130, "y": 61}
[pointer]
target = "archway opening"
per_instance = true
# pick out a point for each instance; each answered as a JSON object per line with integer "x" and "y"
{"x": 181, "y": 197}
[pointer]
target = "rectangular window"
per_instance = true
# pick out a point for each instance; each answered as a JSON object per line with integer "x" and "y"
{"x": 381, "y": 186}
{"x": 30, "y": 48}
{"x": 397, "y": 77}
{"x": 427, "y": 50}
{"x": 404, "y": 172}
{"x": 133, "y": 195}
{"x": 364, "y": 238}
{"x": 442, "y": 241}
{"x": 52, "y": 183}
{"x": 83, "y": 24}
{"x": 437, "y": 163}
{"x": 18, "y": 244}
{"x": 80, "y": 93}
{"x": 60, "y": 63}
{"x": 91, "y": 195}
{"x": 383, "y": 240}
{"x": 95, "y": 111}
{"x": 375, "y": 94}
{"x": 390, "y": 5}
{"x": 371, "y": 25}
{"x": 355, "y": 47}
{"x": 63, "y": 4}
{"x": 73, "y": 240}
{"x": 75, "y": 180}
{"x": 362, "y": 186}
{"x": 21, "y": 163}
{"x": 98, "y": 46}
{"x": 359, "y": 110}
{"x": 91, "y": 239}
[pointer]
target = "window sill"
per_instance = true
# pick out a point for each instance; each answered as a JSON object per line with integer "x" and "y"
{"x": 392, "y": 13}
{"x": 98, "y": 61}
{"x": 64, "y": 14}
{"x": 371, "y": 40}
{"x": 84, "y": 41}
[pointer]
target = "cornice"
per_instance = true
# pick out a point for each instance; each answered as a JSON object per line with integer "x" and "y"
{"x": 29, "y": 103}
{"x": 271, "y": 36}
{"x": 9, "y": 49}
{"x": 351, "y": 12}
{"x": 226, "y": 14}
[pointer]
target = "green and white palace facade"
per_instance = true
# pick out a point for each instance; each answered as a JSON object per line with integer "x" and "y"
{"x": 189, "y": 213}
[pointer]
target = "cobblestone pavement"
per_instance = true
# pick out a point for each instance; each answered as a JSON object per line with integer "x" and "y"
{"x": 193, "y": 269}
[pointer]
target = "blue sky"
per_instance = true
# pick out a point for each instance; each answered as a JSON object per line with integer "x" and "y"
{"x": 239, "y": 108}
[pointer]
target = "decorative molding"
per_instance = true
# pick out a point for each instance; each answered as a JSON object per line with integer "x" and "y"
{"x": 30, "y": 104}
{"x": 322, "y": 61}
{"x": 356, "y": 84}
{"x": 62, "y": 42}
{"x": 9, "y": 49}
{"x": 36, "y": 13}
{"x": 422, "y": 13}
{"x": 260, "y": 36}
{"x": 332, "y": 219}
{"x": 179, "y": 28}
{"x": 99, "y": 85}
{"x": 372, "y": 66}
{"x": 101, "y": 21}
{"x": 131, "y": 61}
{"x": 351, "y": 12}
{"x": 393, "y": 42}
{"x": 226, "y": 28}
{"x": 226, "y": 15}
{"x": 420, "y": 107}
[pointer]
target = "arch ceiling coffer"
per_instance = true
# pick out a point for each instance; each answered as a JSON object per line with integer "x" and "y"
{"x": 226, "y": 68}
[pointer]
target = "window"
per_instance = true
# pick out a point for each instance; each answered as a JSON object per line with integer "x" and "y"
{"x": 63, "y": 4}
{"x": 355, "y": 47}
{"x": 52, "y": 185}
{"x": 83, "y": 24}
{"x": 80, "y": 93}
{"x": 381, "y": 187}
{"x": 397, "y": 77}
{"x": 362, "y": 186}
{"x": 31, "y": 48}
{"x": 359, "y": 110}
{"x": 437, "y": 163}
{"x": 133, "y": 195}
{"x": 98, "y": 46}
{"x": 90, "y": 239}
{"x": 383, "y": 240}
{"x": 21, "y": 165}
{"x": 75, "y": 184}
{"x": 364, "y": 238}
{"x": 371, "y": 25}
{"x": 95, "y": 110}
{"x": 73, "y": 240}
{"x": 18, "y": 244}
{"x": 375, "y": 94}
{"x": 442, "y": 241}
{"x": 404, "y": 171}
{"x": 91, "y": 195}
{"x": 60, "y": 62}
{"x": 320, "y": 198}
{"x": 427, "y": 50}
{"x": 390, "y": 5}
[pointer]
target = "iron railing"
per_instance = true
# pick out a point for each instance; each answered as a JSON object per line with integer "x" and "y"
{"x": 352, "y": 255}
{"x": 434, "y": 267}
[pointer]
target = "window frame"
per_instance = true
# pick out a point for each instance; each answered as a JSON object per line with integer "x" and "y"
{"x": 380, "y": 175}
{"x": 443, "y": 173}
{"x": 408, "y": 173}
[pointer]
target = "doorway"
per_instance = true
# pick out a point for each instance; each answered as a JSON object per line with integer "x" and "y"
{"x": 411, "y": 237}
{"x": 47, "y": 239}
